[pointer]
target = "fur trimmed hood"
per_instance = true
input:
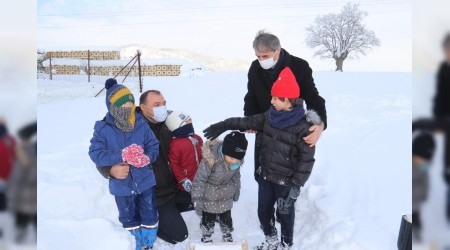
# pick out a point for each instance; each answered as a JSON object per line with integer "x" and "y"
{"x": 210, "y": 152}
{"x": 313, "y": 117}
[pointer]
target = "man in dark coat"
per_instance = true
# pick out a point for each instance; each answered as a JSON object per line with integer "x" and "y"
{"x": 170, "y": 200}
{"x": 263, "y": 72}
{"x": 441, "y": 111}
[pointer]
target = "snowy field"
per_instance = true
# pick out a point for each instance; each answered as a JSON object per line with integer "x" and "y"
{"x": 358, "y": 191}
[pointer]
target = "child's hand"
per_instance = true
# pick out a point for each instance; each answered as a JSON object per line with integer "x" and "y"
{"x": 294, "y": 192}
{"x": 140, "y": 161}
{"x": 187, "y": 184}
{"x": 236, "y": 195}
{"x": 134, "y": 155}
{"x": 131, "y": 151}
{"x": 198, "y": 205}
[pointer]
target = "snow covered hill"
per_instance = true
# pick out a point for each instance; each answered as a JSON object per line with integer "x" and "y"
{"x": 210, "y": 62}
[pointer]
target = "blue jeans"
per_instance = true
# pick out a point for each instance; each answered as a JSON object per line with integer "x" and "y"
{"x": 268, "y": 194}
{"x": 138, "y": 209}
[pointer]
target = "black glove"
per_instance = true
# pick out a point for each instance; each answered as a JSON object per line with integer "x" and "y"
{"x": 293, "y": 191}
{"x": 213, "y": 131}
{"x": 257, "y": 174}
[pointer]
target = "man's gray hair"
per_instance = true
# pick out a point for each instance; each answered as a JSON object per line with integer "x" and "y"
{"x": 446, "y": 42}
{"x": 265, "y": 40}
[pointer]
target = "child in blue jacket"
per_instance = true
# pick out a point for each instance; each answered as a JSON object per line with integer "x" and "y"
{"x": 124, "y": 137}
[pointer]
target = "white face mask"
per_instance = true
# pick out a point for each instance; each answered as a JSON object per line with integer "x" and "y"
{"x": 159, "y": 113}
{"x": 267, "y": 64}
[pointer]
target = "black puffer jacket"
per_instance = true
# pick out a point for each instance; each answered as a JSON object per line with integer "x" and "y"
{"x": 441, "y": 107}
{"x": 166, "y": 185}
{"x": 260, "y": 81}
{"x": 285, "y": 157}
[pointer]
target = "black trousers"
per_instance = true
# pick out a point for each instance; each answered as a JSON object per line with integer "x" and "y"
{"x": 171, "y": 227}
{"x": 3, "y": 204}
{"x": 209, "y": 220}
{"x": 416, "y": 222}
{"x": 22, "y": 220}
{"x": 270, "y": 194}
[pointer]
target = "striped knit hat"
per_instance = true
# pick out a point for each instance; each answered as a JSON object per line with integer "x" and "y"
{"x": 117, "y": 94}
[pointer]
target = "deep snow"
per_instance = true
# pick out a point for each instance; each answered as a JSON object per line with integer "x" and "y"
{"x": 358, "y": 191}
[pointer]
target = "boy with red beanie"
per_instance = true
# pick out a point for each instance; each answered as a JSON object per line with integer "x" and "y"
{"x": 286, "y": 160}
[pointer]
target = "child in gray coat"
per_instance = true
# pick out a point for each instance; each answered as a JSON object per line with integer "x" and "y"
{"x": 217, "y": 184}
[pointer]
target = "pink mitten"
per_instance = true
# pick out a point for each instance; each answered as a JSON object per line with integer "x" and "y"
{"x": 134, "y": 155}
{"x": 141, "y": 161}
{"x": 132, "y": 151}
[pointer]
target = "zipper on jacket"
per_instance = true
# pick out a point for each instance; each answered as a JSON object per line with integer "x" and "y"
{"x": 136, "y": 190}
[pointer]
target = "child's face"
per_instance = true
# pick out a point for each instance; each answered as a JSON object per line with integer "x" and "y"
{"x": 230, "y": 160}
{"x": 127, "y": 105}
{"x": 417, "y": 160}
{"x": 280, "y": 105}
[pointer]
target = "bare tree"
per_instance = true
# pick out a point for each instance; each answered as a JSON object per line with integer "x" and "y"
{"x": 41, "y": 57}
{"x": 339, "y": 36}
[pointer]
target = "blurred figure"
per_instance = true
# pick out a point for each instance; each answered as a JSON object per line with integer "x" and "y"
{"x": 441, "y": 111}
{"x": 21, "y": 188}
{"x": 7, "y": 159}
{"x": 423, "y": 147}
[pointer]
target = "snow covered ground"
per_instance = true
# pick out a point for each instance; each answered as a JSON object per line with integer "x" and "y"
{"x": 358, "y": 191}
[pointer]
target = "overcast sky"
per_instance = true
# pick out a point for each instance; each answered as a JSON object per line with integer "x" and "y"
{"x": 222, "y": 28}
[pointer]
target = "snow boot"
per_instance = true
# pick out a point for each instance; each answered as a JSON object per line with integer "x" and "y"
{"x": 148, "y": 236}
{"x": 270, "y": 244}
{"x": 21, "y": 233}
{"x": 286, "y": 246}
{"x": 206, "y": 238}
{"x": 227, "y": 237}
{"x": 136, "y": 232}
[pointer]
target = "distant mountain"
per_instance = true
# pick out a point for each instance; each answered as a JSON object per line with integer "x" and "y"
{"x": 210, "y": 62}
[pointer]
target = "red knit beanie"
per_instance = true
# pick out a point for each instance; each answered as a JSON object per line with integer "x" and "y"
{"x": 286, "y": 85}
